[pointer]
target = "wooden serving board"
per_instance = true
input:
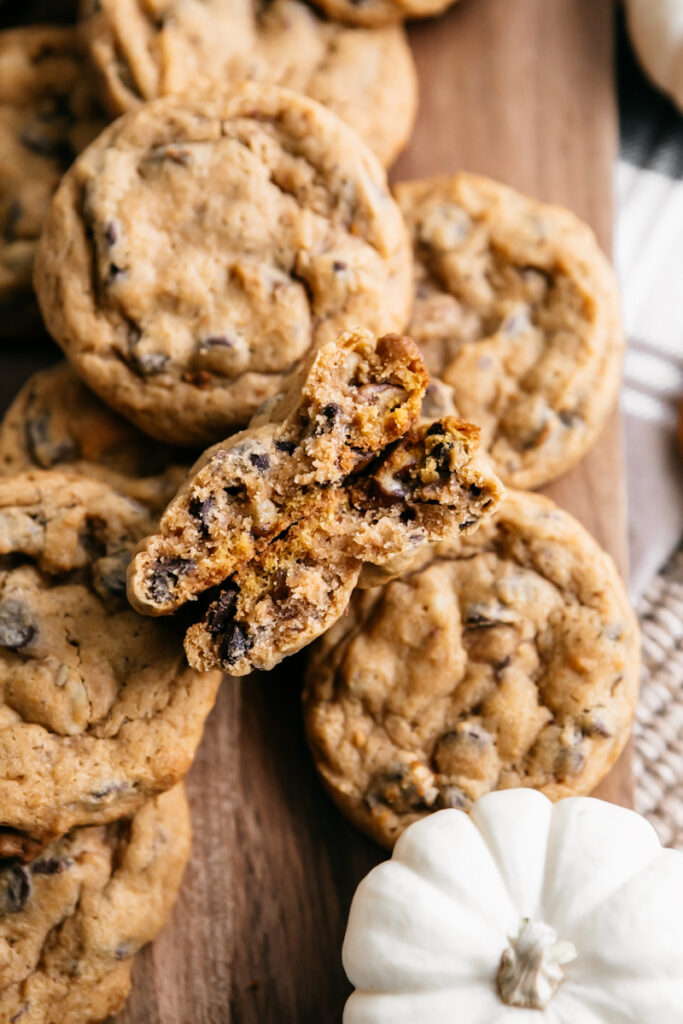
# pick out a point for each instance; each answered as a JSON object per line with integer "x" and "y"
{"x": 522, "y": 90}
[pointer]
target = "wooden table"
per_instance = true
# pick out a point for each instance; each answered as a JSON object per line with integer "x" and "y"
{"x": 522, "y": 90}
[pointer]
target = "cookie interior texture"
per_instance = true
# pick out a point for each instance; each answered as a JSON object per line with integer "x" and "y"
{"x": 72, "y": 920}
{"x": 56, "y": 421}
{"x": 367, "y": 77}
{"x": 506, "y": 658}
{"x": 274, "y": 527}
{"x": 516, "y": 309}
{"x": 47, "y": 116}
{"x": 200, "y": 249}
{"x": 98, "y": 708}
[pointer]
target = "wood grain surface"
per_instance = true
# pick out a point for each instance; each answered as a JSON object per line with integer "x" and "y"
{"x": 522, "y": 90}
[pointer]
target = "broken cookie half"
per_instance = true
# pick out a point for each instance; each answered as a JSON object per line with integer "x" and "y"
{"x": 335, "y": 482}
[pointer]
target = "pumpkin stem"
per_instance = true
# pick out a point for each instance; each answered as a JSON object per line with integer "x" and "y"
{"x": 530, "y": 969}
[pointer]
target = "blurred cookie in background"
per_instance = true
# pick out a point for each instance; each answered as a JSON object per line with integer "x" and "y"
{"x": 140, "y": 51}
{"x": 516, "y": 310}
{"x": 55, "y": 420}
{"x": 47, "y": 116}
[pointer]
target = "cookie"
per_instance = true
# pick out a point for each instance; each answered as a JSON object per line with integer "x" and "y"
{"x": 506, "y": 658}
{"x": 199, "y": 249}
{"x": 275, "y": 525}
{"x": 72, "y": 920}
{"x": 381, "y": 12}
{"x": 516, "y": 308}
{"x": 55, "y": 420}
{"x": 98, "y": 708}
{"x": 47, "y": 116}
{"x": 141, "y": 51}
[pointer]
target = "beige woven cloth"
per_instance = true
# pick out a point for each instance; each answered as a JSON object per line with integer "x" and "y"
{"x": 658, "y": 729}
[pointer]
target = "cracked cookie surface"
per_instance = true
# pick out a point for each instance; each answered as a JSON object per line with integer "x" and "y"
{"x": 334, "y": 479}
{"x": 506, "y": 658}
{"x": 47, "y": 116}
{"x": 56, "y": 421}
{"x": 72, "y": 919}
{"x": 98, "y": 708}
{"x": 143, "y": 50}
{"x": 199, "y": 250}
{"x": 516, "y": 309}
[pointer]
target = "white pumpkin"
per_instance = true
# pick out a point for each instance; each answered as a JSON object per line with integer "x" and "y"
{"x": 522, "y": 912}
{"x": 656, "y": 28}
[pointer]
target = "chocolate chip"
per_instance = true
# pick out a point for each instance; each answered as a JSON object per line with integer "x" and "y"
{"x": 43, "y": 450}
{"x": 453, "y": 797}
{"x": 148, "y": 363}
{"x": 14, "y": 212}
{"x": 260, "y": 461}
{"x": 395, "y": 789}
{"x": 109, "y": 789}
{"x": 110, "y": 233}
{"x": 116, "y": 271}
{"x": 15, "y": 889}
{"x": 286, "y": 446}
{"x": 109, "y": 575}
{"x": 16, "y": 630}
{"x": 467, "y": 523}
{"x": 566, "y": 417}
{"x": 201, "y": 510}
{"x": 235, "y": 644}
{"x": 436, "y": 428}
{"x": 217, "y": 341}
{"x": 222, "y": 611}
{"x": 51, "y": 865}
{"x": 165, "y": 577}
{"x": 331, "y": 411}
{"x": 280, "y": 590}
{"x": 339, "y": 265}
{"x": 57, "y": 149}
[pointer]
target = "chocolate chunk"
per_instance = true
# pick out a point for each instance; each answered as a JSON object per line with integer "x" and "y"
{"x": 116, "y": 271}
{"x": 201, "y": 510}
{"x": 16, "y": 630}
{"x": 436, "y": 428}
{"x": 165, "y": 577}
{"x": 15, "y": 889}
{"x": 260, "y": 461}
{"x": 222, "y": 611}
{"x": 286, "y": 446}
{"x": 51, "y": 865}
{"x": 339, "y": 265}
{"x": 110, "y": 233}
{"x": 235, "y": 644}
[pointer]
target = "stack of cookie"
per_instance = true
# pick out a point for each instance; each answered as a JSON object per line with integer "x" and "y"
{"x": 225, "y": 266}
